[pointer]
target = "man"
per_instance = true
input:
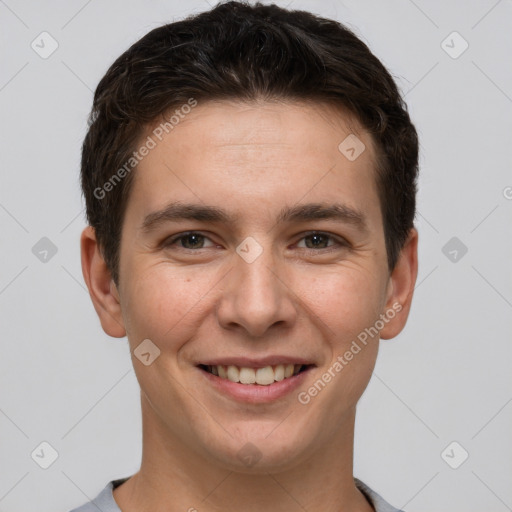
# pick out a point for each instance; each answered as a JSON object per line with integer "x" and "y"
{"x": 250, "y": 179}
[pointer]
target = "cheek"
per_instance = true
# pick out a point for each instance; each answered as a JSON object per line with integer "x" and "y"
{"x": 161, "y": 304}
{"x": 343, "y": 302}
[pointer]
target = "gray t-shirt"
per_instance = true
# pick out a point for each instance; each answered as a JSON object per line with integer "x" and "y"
{"x": 105, "y": 502}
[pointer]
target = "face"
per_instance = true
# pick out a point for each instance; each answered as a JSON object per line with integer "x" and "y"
{"x": 253, "y": 248}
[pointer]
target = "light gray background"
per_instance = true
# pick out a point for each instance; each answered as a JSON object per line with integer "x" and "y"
{"x": 446, "y": 378}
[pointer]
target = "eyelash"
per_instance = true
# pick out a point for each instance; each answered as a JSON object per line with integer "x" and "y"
{"x": 340, "y": 241}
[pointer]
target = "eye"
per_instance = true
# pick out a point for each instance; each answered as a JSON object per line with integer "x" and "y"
{"x": 191, "y": 240}
{"x": 315, "y": 241}
{"x": 320, "y": 240}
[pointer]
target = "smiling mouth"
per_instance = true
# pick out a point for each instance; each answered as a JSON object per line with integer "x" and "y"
{"x": 259, "y": 376}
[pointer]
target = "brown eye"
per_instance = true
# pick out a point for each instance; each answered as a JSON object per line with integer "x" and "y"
{"x": 190, "y": 241}
{"x": 319, "y": 240}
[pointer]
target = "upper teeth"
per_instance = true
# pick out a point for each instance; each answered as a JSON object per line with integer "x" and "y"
{"x": 263, "y": 376}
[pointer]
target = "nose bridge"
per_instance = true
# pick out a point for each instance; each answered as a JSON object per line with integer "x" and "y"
{"x": 255, "y": 298}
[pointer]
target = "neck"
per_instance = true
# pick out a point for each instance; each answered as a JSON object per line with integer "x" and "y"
{"x": 175, "y": 477}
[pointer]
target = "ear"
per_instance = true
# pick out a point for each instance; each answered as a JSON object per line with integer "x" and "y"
{"x": 401, "y": 287}
{"x": 102, "y": 289}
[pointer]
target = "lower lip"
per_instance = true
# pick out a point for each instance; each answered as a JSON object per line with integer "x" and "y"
{"x": 256, "y": 393}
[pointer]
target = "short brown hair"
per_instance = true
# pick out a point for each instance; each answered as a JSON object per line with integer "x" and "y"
{"x": 245, "y": 52}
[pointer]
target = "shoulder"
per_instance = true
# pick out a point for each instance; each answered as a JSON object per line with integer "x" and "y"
{"x": 104, "y": 501}
{"x": 375, "y": 499}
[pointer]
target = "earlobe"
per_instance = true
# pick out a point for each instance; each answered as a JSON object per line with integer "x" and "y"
{"x": 103, "y": 291}
{"x": 401, "y": 288}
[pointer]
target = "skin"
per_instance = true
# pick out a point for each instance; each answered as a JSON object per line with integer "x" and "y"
{"x": 294, "y": 299}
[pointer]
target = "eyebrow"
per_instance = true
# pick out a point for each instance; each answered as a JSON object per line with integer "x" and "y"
{"x": 177, "y": 211}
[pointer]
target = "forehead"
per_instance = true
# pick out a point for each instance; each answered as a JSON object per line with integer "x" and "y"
{"x": 306, "y": 126}
{"x": 269, "y": 153}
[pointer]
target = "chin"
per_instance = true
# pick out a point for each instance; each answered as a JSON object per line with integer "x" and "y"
{"x": 257, "y": 454}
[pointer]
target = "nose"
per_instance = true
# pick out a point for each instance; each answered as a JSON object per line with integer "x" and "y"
{"x": 257, "y": 296}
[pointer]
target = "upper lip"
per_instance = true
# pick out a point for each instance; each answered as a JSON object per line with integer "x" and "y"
{"x": 250, "y": 362}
